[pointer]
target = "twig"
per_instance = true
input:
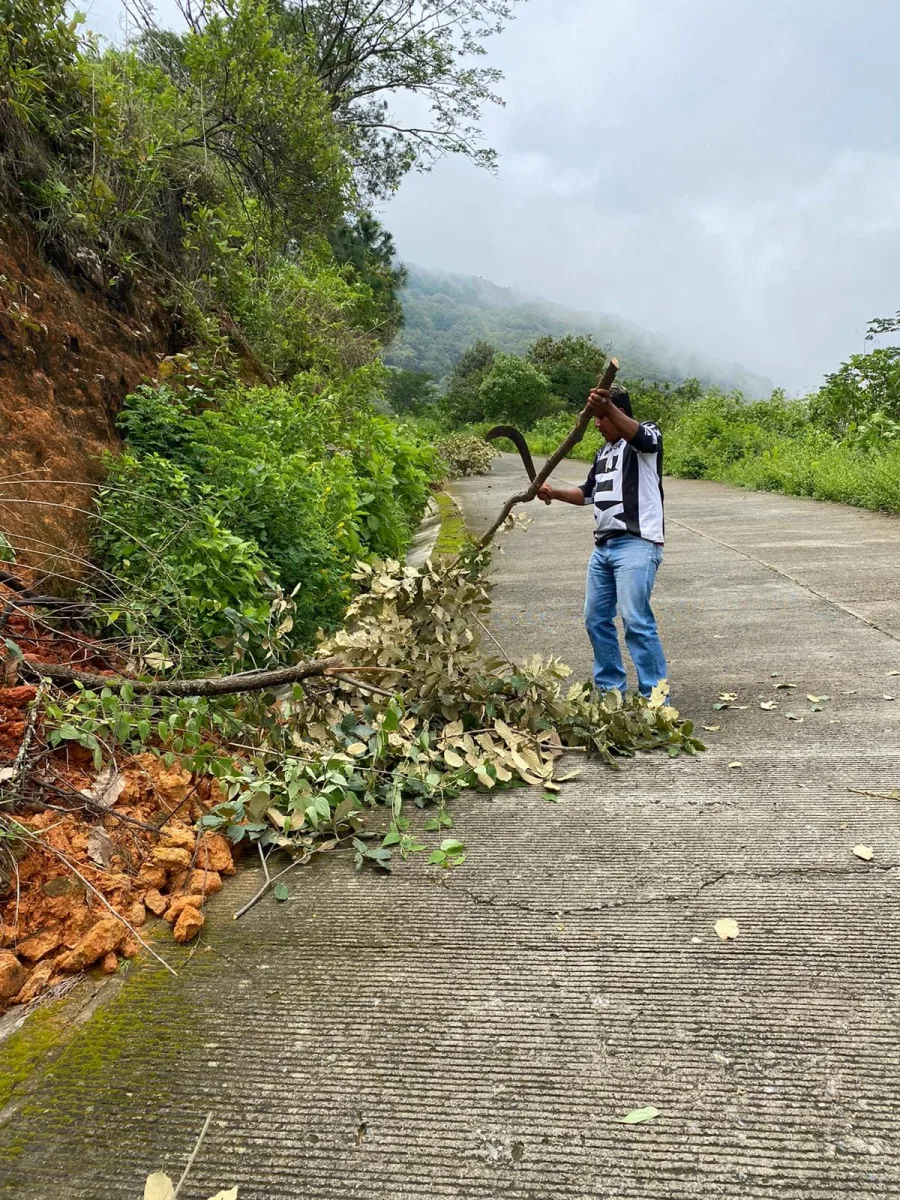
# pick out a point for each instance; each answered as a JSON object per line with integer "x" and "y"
{"x": 895, "y": 795}
{"x": 27, "y": 735}
{"x": 359, "y": 683}
{"x": 190, "y": 1161}
{"x": 24, "y": 831}
{"x": 577, "y": 433}
{"x": 300, "y": 862}
{"x": 226, "y": 685}
{"x": 265, "y": 865}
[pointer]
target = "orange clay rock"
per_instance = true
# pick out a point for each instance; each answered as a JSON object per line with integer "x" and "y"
{"x": 179, "y": 903}
{"x": 130, "y": 947}
{"x": 171, "y": 784}
{"x": 40, "y": 944}
{"x": 189, "y": 924}
{"x": 214, "y": 854}
{"x": 172, "y": 858}
{"x": 204, "y": 883}
{"x": 150, "y": 876}
{"x": 108, "y": 934}
{"x": 37, "y": 981}
{"x": 109, "y": 963}
{"x": 178, "y": 835}
{"x": 155, "y": 902}
{"x": 136, "y": 914}
{"x": 13, "y": 976}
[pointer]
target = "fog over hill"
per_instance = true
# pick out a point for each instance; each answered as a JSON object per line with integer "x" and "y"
{"x": 445, "y": 313}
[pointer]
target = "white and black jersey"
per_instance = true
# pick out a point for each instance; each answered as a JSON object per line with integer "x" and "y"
{"x": 625, "y": 487}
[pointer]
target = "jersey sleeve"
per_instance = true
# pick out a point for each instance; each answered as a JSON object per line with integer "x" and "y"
{"x": 587, "y": 488}
{"x": 648, "y": 439}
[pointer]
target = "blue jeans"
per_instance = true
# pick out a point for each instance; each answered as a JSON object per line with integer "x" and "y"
{"x": 621, "y": 572}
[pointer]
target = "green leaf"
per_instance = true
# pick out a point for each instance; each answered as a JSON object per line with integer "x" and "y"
{"x": 14, "y": 649}
{"x": 280, "y": 891}
{"x": 436, "y": 858}
{"x": 451, "y": 846}
{"x": 639, "y": 1115}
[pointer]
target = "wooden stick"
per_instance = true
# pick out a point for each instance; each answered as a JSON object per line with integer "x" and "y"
{"x": 190, "y": 1161}
{"x": 247, "y": 681}
{"x": 577, "y": 433}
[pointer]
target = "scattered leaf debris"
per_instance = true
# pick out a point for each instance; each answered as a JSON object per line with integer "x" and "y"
{"x": 727, "y": 929}
{"x": 638, "y": 1116}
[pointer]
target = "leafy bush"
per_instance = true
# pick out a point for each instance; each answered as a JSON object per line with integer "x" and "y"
{"x": 462, "y": 454}
{"x": 291, "y": 485}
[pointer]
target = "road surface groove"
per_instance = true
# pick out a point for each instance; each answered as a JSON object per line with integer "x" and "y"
{"x": 475, "y": 1034}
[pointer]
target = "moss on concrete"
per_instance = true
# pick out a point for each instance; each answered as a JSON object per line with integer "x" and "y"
{"x": 453, "y": 534}
{"x": 29, "y": 1048}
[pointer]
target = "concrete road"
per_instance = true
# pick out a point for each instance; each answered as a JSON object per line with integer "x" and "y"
{"x": 476, "y": 1034}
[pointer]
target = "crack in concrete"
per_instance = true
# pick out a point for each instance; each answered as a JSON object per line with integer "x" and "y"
{"x": 493, "y": 901}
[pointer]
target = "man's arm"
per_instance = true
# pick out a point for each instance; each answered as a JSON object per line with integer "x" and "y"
{"x": 571, "y": 495}
{"x": 601, "y": 405}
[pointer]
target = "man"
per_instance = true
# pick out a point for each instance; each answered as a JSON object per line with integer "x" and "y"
{"x": 625, "y": 487}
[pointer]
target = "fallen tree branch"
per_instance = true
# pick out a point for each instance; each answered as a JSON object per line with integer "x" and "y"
{"x": 226, "y": 685}
{"x": 565, "y": 448}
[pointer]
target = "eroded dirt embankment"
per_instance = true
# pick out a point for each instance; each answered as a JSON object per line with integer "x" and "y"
{"x": 71, "y": 348}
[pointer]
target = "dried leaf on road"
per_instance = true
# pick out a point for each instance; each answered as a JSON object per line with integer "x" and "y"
{"x": 728, "y": 696}
{"x": 789, "y": 716}
{"x": 712, "y": 728}
{"x": 734, "y": 765}
{"x": 639, "y": 1115}
{"x": 768, "y": 705}
{"x": 727, "y": 929}
{"x": 816, "y": 699}
{"x": 785, "y": 685}
{"x": 863, "y": 852}
{"x": 159, "y": 1187}
{"x": 887, "y": 697}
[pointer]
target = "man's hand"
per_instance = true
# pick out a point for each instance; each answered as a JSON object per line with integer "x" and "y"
{"x": 545, "y": 493}
{"x": 598, "y": 402}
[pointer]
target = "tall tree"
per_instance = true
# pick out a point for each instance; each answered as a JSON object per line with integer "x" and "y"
{"x": 513, "y": 390}
{"x": 461, "y": 401}
{"x": 367, "y": 53}
{"x": 366, "y": 246}
{"x": 571, "y": 364}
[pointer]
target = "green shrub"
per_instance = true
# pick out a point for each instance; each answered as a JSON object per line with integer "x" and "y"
{"x": 294, "y": 483}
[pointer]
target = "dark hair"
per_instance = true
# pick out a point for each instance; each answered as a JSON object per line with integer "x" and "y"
{"x": 621, "y": 399}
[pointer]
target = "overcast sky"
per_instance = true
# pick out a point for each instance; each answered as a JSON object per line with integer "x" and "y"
{"x": 726, "y": 172}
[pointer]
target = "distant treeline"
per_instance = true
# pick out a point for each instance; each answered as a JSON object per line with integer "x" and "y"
{"x": 444, "y": 314}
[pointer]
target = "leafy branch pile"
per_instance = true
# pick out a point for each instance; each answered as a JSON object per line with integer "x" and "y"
{"x": 441, "y": 718}
{"x": 462, "y": 454}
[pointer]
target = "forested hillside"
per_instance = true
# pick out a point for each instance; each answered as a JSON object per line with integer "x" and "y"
{"x": 444, "y": 314}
